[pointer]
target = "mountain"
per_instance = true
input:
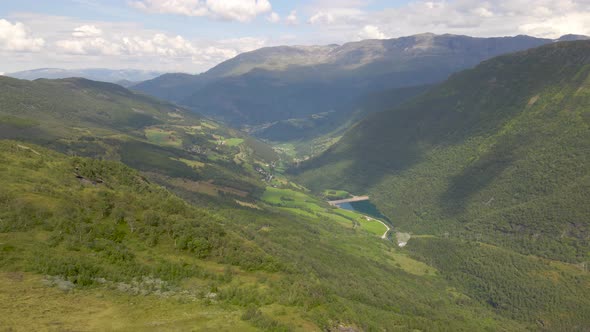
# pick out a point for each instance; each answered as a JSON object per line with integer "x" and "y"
{"x": 122, "y": 212}
{"x": 270, "y": 85}
{"x": 104, "y": 120}
{"x": 126, "y": 76}
{"x": 498, "y": 153}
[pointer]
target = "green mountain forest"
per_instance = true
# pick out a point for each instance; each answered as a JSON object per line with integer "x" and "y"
{"x": 498, "y": 154}
{"x": 379, "y": 185}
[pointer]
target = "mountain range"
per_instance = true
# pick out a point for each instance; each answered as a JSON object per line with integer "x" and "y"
{"x": 279, "y": 85}
{"x": 125, "y": 77}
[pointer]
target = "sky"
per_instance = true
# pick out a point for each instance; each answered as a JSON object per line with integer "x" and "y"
{"x": 194, "y": 35}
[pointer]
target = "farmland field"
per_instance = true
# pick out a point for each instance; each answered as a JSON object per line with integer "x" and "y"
{"x": 302, "y": 204}
{"x": 163, "y": 137}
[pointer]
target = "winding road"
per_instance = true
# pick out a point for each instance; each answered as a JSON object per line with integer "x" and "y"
{"x": 359, "y": 199}
{"x": 384, "y": 236}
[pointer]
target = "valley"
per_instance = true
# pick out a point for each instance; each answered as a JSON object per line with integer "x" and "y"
{"x": 431, "y": 182}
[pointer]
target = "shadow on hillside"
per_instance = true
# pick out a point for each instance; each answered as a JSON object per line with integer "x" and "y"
{"x": 480, "y": 174}
{"x": 34, "y": 134}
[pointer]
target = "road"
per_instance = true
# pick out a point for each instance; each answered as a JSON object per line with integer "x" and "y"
{"x": 359, "y": 199}
{"x": 384, "y": 236}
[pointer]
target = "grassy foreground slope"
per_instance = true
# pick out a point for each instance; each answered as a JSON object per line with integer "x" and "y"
{"x": 499, "y": 153}
{"x": 91, "y": 245}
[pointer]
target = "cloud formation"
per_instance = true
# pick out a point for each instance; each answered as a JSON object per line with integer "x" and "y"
{"x": 37, "y": 40}
{"x": 159, "y": 45}
{"x": 274, "y": 18}
{"x": 371, "y": 32}
{"x": 234, "y": 10}
{"x": 66, "y": 42}
{"x": 292, "y": 19}
{"x": 541, "y": 18}
{"x": 86, "y": 31}
{"x": 15, "y": 37}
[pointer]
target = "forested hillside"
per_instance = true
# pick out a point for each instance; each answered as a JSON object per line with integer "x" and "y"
{"x": 103, "y": 120}
{"x": 499, "y": 153}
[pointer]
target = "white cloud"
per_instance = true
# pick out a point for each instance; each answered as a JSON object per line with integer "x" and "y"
{"x": 337, "y": 15}
{"x": 371, "y": 32}
{"x": 234, "y": 10}
{"x": 273, "y": 17}
{"x": 121, "y": 45}
{"x": 15, "y": 37}
{"x": 558, "y": 26}
{"x": 160, "y": 46}
{"x": 292, "y": 19}
{"x": 342, "y": 20}
{"x": 86, "y": 31}
{"x": 322, "y": 18}
{"x": 245, "y": 44}
{"x": 483, "y": 12}
{"x": 89, "y": 46}
{"x": 74, "y": 43}
{"x": 157, "y": 45}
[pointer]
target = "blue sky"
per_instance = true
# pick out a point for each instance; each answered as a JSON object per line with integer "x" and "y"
{"x": 194, "y": 35}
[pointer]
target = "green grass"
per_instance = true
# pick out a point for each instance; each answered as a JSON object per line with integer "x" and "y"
{"x": 281, "y": 268}
{"x": 163, "y": 137}
{"x": 234, "y": 141}
{"x": 192, "y": 163}
{"x": 373, "y": 226}
{"x": 331, "y": 194}
{"x": 303, "y": 204}
{"x": 411, "y": 265}
{"x": 18, "y": 122}
{"x": 104, "y": 309}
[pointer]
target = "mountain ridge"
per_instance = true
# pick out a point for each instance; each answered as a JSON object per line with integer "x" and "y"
{"x": 133, "y": 76}
{"x": 295, "y": 82}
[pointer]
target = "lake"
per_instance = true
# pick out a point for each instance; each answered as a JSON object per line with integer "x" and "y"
{"x": 364, "y": 207}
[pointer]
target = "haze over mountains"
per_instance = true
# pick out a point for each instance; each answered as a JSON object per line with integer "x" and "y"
{"x": 125, "y": 77}
{"x": 270, "y": 85}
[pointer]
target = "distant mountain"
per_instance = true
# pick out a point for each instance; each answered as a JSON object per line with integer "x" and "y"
{"x": 294, "y": 82}
{"x": 573, "y": 38}
{"x": 498, "y": 153}
{"x": 127, "y": 77}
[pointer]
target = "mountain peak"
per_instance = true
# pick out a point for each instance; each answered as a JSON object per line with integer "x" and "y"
{"x": 572, "y": 37}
